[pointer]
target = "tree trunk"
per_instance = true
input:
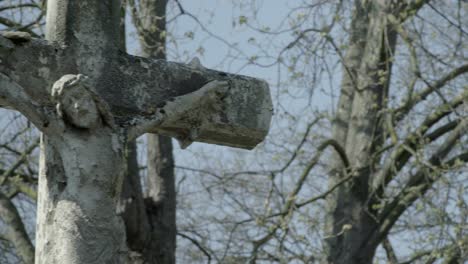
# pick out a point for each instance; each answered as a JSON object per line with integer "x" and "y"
{"x": 132, "y": 208}
{"x": 160, "y": 202}
{"x": 161, "y": 198}
{"x": 131, "y": 205}
{"x": 359, "y": 130}
{"x": 15, "y": 231}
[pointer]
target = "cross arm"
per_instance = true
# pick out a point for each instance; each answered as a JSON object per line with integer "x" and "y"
{"x": 27, "y": 68}
{"x": 33, "y": 64}
{"x": 188, "y": 102}
{"x": 212, "y": 106}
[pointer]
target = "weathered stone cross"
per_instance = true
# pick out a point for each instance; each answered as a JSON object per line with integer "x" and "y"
{"x": 88, "y": 99}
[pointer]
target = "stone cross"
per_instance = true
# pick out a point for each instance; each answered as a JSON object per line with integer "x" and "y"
{"x": 88, "y": 99}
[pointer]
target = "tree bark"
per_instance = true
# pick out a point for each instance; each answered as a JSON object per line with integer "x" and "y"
{"x": 132, "y": 208}
{"x": 160, "y": 201}
{"x": 352, "y": 218}
{"x": 161, "y": 196}
{"x": 15, "y": 231}
{"x": 131, "y": 205}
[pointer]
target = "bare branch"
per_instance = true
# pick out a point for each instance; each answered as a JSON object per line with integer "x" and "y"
{"x": 400, "y": 155}
{"x": 134, "y": 11}
{"x": 18, "y": 184}
{"x": 408, "y": 105}
{"x": 289, "y": 206}
{"x": 391, "y": 256}
{"x": 19, "y": 162}
{"x": 197, "y": 244}
{"x": 407, "y": 9}
{"x": 19, "y": 6}
{"x": 13, "y": 25}
{"x": 299, "y": 146}
{"x": 16, "y": 233}
{"x": 452, "y": 252}
{"x": 421, "y": 181}
{"x": 306, "y": 202}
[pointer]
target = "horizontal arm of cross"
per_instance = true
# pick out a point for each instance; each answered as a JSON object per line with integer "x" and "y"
{"x": 27, "y": 68}
{"x": 28, "y": 62}
{"x": 188, "y": 102}
{"x": 241, "y": 117}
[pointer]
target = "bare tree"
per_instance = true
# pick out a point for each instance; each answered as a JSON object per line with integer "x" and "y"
{"x": 396, "y": 157}
{"x": 151, "y": 221}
